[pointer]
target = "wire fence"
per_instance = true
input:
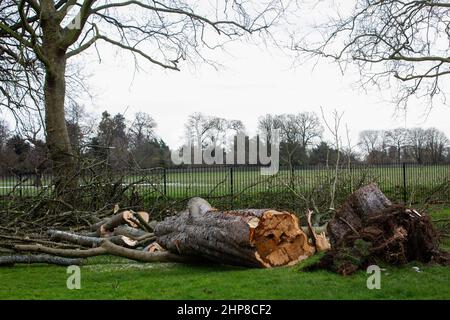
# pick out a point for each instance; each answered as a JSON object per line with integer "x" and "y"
{"x": 409, "y": 183}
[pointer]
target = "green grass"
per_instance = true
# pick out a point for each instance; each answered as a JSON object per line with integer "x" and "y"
{"x": 116, "y": 278}
{"x": 106, "y": 278}
{"x": 442, "y": 213}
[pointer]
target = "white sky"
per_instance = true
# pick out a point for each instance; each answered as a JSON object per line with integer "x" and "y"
{"x": 253, "y": 82}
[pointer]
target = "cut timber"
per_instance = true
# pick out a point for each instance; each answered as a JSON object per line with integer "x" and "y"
{"x": 86, "y": 241}
{"x": 81, "y": 240}
{"x": 116, "y": 220}
{"x": 154, "y": 247}
{"x": 361, "y": 204}
{"x": 61, "y": 252}
{"x": 130, "y": 232}
{"x": 11, "y": 260}
{"x": 142, "y": 218}
{"x": 145, "y": 242}
{"x": 125, "y": 217}
{"x": 136, "y": 217}
{"x": 97, "y": 225}
{"x": 142, "y": 256}
{"x": 94, "y": 227}
{"x": 251, "y": 237}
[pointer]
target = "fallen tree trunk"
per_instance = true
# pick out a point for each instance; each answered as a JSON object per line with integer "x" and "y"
{"x": 28, "y": 259}
{"x": 251, "y": 237}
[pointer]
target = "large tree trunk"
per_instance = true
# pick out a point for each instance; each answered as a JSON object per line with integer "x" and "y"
{"x": 250, "y": 237}
{"x": 57, "y": 136}
{"x": 63, "y": 161}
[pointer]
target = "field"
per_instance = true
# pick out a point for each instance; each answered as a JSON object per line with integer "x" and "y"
{"x": 221, "y": 181}
{"x": 114, "y": 278}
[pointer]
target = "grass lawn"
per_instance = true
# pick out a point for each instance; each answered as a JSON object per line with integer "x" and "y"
{"x": 108, "y": 278}
{"x": 116, "y": 278}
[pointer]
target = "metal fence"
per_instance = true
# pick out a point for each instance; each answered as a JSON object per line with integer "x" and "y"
{"x": 402, "y": 182}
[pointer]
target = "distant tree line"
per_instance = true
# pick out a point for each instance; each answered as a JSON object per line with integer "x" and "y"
{"x": 111, "y": 142}
{"x": 118, "y": 143}
{"x": 302, "y": 141}
{"x": 416, "y": 145}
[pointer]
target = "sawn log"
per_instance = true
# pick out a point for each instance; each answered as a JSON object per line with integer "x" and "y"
{"x": 250, "y": 237}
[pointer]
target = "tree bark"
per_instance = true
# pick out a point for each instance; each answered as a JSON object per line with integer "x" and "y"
{"x": 128, "y": 217}
{"x": 251, "y": 237}
{"x": 360, "y": 205}
{"x": 130, "y": 232}
{"x": 71, "y": 253}
{"x": 11, "y": 260}
{"x": 87, "y": 241}
{"x": 319, "y": 240}
{"x": 57, "y": 136}
{"x": 143, "y": 256}
{"x": 60, "y": 149}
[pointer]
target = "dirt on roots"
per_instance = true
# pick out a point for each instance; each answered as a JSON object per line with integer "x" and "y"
{"x": 394, "y": 235}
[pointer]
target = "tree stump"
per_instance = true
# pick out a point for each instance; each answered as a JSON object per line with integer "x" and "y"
{"x": 361, "y": 204}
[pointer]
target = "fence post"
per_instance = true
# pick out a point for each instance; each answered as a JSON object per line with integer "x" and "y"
{"x": 231, "y": 188}
{"x": 165, "y": 181}
{"x": 20, "y": 185}
{"x": 292, "y": 178}
{"x": 404, "y": 184}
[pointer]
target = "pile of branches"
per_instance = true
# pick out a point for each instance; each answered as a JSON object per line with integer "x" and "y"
{"x": 29, "y": 220}
{"x": 126, "y": 233}
{"x": 247, "y": 237}
{"x": 369, "y": 229}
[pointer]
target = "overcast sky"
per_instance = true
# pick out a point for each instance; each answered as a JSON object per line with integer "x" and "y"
{"x": 252, "y": 82}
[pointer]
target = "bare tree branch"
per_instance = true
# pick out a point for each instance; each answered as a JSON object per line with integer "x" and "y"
{"x": 405, "y": 40}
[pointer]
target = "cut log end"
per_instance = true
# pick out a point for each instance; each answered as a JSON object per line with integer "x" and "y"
{"x": 278, "y": 240}
{"x": 247, "y": 237}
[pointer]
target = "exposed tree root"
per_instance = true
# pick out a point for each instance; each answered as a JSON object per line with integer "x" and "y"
{"x": 377, "y": 231}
